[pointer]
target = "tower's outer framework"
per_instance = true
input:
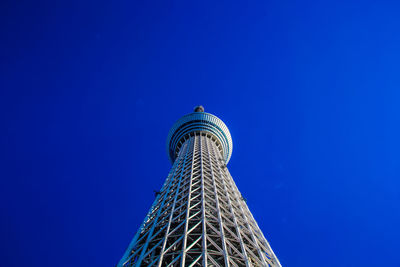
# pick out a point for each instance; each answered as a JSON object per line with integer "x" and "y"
{"x": 199, "y": 217}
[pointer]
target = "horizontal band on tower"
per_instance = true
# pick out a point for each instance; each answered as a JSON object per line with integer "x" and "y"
{"x": 199, "y": 122}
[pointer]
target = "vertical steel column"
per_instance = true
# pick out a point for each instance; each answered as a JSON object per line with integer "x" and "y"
{"x": 188, "y": 146}
{"x": 231, "y": 209}
{"x": 138, "y": 263}
{"x": 203, "y": 215}
{"x": 226, "y": 255}
{"x": 167, "y": 183}
{"x": 188, "y": 203}
{"x": 243, "y": 208}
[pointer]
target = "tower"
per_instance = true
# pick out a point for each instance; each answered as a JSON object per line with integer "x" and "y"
{"x": 199, "y": 217}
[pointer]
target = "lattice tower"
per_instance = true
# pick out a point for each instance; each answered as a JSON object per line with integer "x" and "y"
{"x": 199, "y": 217}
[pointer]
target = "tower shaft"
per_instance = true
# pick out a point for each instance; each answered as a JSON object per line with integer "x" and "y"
{"x": 199, "y": 217}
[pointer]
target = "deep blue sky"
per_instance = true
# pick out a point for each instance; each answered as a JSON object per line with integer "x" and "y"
{"x": 309, "y": 90}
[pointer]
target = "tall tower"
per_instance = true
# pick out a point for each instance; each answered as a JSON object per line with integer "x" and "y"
{"x": 199, "y": 217}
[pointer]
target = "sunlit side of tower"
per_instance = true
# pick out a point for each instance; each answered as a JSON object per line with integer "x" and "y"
{"x": 199, "y": 217}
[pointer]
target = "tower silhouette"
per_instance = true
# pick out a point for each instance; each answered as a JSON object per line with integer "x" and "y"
{"x": 199, "y": 217}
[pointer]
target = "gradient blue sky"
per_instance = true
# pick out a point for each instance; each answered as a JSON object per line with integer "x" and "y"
{"x": 309, "y": 90}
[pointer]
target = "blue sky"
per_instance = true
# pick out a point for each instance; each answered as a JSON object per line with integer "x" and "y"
{"x": 308, "y": 89}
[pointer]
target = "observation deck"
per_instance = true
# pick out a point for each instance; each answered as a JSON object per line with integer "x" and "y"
{"x": 199, "y": 121}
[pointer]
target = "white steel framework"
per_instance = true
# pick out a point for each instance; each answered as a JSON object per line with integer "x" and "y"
{"x": 199, "y": 217}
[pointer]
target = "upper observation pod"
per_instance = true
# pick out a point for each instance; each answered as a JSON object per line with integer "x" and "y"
{"x": 199, "y": 122}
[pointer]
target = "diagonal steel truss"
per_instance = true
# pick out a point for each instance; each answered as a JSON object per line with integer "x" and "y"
{"x": 199, "y": 218}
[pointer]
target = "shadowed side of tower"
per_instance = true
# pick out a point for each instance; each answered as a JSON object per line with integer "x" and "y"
{"x": 199, "y": 218}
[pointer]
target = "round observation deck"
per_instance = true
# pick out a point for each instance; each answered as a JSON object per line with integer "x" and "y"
{"x": 199, "y": 121}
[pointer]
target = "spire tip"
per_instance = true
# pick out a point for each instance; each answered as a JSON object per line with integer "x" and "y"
{"x": 199, "y": 109}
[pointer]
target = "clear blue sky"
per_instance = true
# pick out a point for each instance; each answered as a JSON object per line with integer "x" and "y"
{"x": 309, "y": 90}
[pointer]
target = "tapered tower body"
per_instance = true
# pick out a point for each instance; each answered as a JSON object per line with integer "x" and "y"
{"x": 199, "y": 217}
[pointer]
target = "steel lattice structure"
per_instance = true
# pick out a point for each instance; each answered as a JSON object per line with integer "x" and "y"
{"x": 199, "y": 217}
